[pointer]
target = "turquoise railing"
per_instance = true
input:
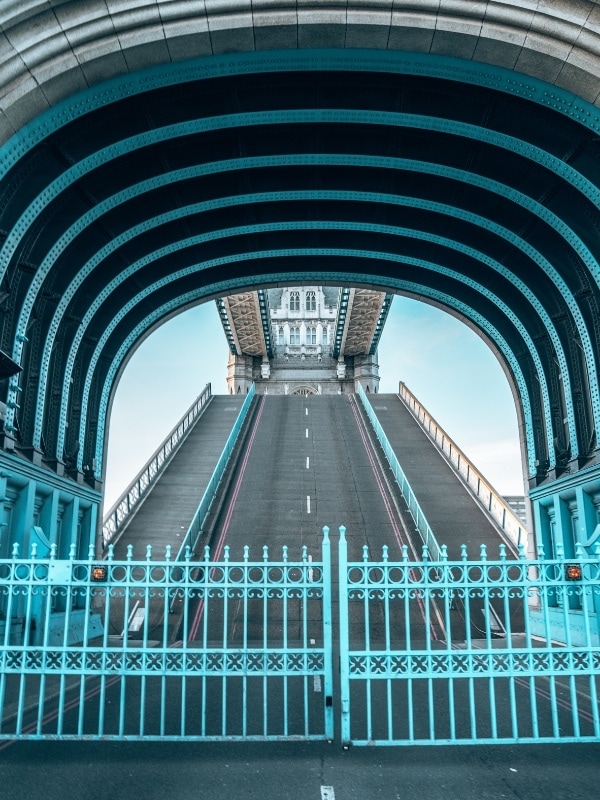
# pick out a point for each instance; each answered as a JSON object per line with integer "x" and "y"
{"x": 422, "y": 526}
{"x": 479, "y": 650}
{"x": 491, "y": 501}
{"x": 210, "y": 492}
{"x": 121, "y": 512}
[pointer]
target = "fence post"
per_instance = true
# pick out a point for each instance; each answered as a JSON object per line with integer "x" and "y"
{"x": 327, "y": 634}
{"x": 344, "y": 643}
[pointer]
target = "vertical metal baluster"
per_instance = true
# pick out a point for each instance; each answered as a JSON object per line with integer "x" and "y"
{"x": 225, "y": 639}
{"x": 123, "y": 686}
{"x": 588, "y": 566}
{"x": 573, "y": 698}
{"x": 426, "y": 599}
{"x": 388, "y": 640}
{"x": 41, "y": 704}
{"x": 265, "y": 642}
{"x": 305, "y": 640}
{"x": 469, "y": 641}
{"x": 245, "y": 623}
{"x": 105, "y": 633}
{"x": 367, "y": 637}
{"x": 286, "y": 642}
{"x": 30, "y": 583}
{"x": 344, "y": 642}
{"x": 407, "y": 587}
{"x": 205, "y": 612}
{"x": 11, "y": 565}
{"x": 447, "y": 588}
{"x": 327, "y": 590}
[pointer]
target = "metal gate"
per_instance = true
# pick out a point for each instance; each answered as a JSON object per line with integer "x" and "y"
{"x": 464, "y": 652}
{"x": 166, "y": 650}
{"x": 430, "y": 652}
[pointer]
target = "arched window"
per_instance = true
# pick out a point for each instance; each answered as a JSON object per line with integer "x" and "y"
{"x": 311, "y": 335}
{"x": 294, "y": 301}
{"x": 325, "y": 336}
{"x": 280, "y": 336}
{"x": 311, "y": 301}
{"x": 294, "y": 335}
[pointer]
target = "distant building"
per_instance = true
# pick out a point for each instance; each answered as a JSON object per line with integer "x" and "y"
{"x": 304, "y": 339}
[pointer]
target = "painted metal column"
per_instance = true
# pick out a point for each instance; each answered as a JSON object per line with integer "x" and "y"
{"x": 344, "y": 641}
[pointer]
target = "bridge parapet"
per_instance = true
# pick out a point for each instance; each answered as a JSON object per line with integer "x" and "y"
{"x": 121, "y": 513}
{"x": 490, "y": 500}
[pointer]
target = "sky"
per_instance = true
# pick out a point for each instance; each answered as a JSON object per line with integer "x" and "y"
{"x": 443, "y": 362}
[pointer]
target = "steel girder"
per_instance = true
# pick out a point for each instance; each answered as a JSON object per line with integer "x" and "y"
{"x": 418, "y": 175}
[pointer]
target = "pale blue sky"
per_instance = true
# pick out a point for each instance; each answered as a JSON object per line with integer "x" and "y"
{"x": 444, "y": 363}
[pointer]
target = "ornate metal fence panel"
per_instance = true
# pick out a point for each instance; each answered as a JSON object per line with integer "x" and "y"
{"x": 158, "y": 649}
{"x": 470, "y": 651}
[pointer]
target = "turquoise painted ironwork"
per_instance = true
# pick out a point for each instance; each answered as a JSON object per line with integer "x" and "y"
{"x": 246, "y": 256}
{"x": 116, "y": 519}
{"x": 468, "y": 651}
{"x": 226, "y": 287}
{"x": 423, "y": 527}
{"x": 153, "y": 183}
{"x": 195, "y": 529}
{"x": 98, "y": 654}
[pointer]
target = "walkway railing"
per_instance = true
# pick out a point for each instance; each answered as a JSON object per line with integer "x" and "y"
{"x": 488, "y": 497}
{"x": 211, "y": 490}
{"x": 421, "y": 524}
{"x": 120, "y": 513}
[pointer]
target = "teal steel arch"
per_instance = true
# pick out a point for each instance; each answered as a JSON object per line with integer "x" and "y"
{"x": 410, "y": 202}
{"x": 404, "y": 287}
{"x": 392, "y": 163}
{"x": 308, "y": 252}
{"x": 392, "y": 119}
{"x": 530, "y": 89}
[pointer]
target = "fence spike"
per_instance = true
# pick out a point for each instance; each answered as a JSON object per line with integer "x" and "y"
{"x": 188, "y": 553}
{"x": 596, "y": 549}
{"x": 149, "y": 552}
{"x": 285, "y": 552}
{"x": 502, "y": 552}
{"x": 540, "y": 551}
{"x": 404, "y": 552}
{"x": 53, "y": 549}
{"x": 265, "y": 553}
{"x": 304, "y": 553}
{"x": 560, "y": 551}
{"x": 384, "y": 552}
{"x": 464, "y": 555}
{"x": 91, "y": 552}
{"x": 129, "y": 552}
{"x": 34, "y": 550}
{"x": 483, "y": 552}
{"x": 246, "y": 552}
{"x": 226, "y": 553}
{"x": 72, "y": 551}
{"x": 425, "y": 553}
{"x": 111, "y": 552}
{"x": 365, "y": 552}
{"x": 444, "y": 552}
{"x": 579, "y": 550}
{"x": 15, "y": 550}
{"x": 206, "y": 552}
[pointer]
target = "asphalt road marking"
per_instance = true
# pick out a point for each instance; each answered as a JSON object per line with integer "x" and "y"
{"x": 307, "y": 462}
{"x": 308, "y": 504}
{"x": 306, "y": 409}
{"x": 307, "y": 433}
{"x": 327, "y": 793}
{"x": 317, "y": 683}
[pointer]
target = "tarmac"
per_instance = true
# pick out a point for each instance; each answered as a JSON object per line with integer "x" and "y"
{"x": 296, "y": 771}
